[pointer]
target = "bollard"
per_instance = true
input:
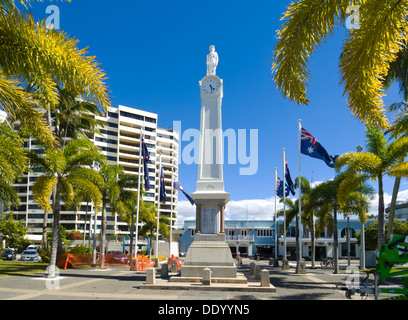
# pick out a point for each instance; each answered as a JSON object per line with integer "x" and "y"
{"x": 174, "y": 267}
{"x": 151, "y": 276}
{"x": 164, "y": 271}
{"x": 207, "y": 277}
{"x": 265, "y": 281}
{"x": 285, "y": 264}
{"x": 258, "y": 273}
{"x": 252, "y": 268}
{"x": 301, "y": 267}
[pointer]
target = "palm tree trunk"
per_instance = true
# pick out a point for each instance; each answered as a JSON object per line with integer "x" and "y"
{"x": 391, "y": 217}
{"x": 103, "y": 236}
{"x": 335, "y": 242}
{"x": 55, "y": 231}
{"x": 381, "y": 222}
{"x": 44, "y": 236}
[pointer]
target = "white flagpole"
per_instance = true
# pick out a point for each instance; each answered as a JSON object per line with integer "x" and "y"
{"x": 171, "y": 209}
{"x": 284, "y": 205}
{"x": 158, "y": 210}
{"x": 276, "y": 228}
{"x": 300, "y": 191}
{"x": 138, "y": 190}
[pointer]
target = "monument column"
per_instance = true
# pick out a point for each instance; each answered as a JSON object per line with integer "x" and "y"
{"x": 209, "y": 248}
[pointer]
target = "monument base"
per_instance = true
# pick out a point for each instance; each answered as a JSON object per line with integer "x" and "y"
{"x": 209, "y": 251}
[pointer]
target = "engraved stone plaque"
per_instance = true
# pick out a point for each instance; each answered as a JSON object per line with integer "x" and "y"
{"x": 210, "y": 217}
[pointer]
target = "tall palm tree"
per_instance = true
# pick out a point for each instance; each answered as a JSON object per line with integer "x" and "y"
{"x": 366, "y": 57}
{"x": 148, "y": 215}
{"x": 398, "y": 73}
{"x": 74, "y": 117}
{"x": 380, "y": 159}
{"x": 68, "y": 176}
{"x": 116, "y": 193}
{"x": 329, "y": 202}
{"x": 32, "y": 55}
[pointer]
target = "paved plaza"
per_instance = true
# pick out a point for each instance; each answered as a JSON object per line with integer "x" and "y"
{"x": 119, "y": 283}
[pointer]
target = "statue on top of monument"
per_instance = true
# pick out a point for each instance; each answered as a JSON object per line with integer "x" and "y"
{"x": 212, "y": 61}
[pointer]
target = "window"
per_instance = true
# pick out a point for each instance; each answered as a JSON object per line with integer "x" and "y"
{"x": 264, "y": 232}
{"x": 131, "y": 115}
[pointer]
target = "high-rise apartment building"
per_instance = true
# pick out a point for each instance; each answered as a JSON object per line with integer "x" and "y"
{"x": 120, "y": 141}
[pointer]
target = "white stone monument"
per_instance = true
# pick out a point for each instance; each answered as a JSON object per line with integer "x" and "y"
{"x": 209, "y": 248}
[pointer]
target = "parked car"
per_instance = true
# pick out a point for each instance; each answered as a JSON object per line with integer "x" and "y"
{"x": 116, "y": 257}
{"x": 9, "y": 254}
{"x": 30, "y": 255}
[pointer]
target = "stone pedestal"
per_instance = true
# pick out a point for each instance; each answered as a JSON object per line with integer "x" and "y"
{"x": 209, "y": 251}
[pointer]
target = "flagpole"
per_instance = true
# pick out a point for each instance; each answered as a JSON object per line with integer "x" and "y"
{"x": 158, "y": 210}
{"x": 138, "y": 191}
{"x": 284, "y": 205}
{"x": 171, "y": 209}
{"x": 300, "y": 190}
{"x": 276, "y": 228}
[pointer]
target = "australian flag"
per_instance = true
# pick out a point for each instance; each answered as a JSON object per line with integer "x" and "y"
{"x": 279, "y": 188}
{"x": 288, "y": 178}
{"x": 312, "y": 148}
{"x": 163, "y": 197}
{"x": 146, "y": 158}
{"x": 179, "y": 187}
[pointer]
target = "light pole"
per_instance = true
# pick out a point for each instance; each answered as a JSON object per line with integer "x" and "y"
{"x": 96, "y": 167}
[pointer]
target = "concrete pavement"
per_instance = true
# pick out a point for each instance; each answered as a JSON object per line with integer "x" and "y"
{"x": 119, "y": 283}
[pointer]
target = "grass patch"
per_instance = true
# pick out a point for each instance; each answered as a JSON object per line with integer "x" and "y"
{"x": 11, "y": 268}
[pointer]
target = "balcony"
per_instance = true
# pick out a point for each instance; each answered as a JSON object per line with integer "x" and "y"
{"x": 238, "y": 237}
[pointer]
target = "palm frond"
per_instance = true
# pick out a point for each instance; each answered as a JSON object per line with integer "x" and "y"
{"x": 42, "y": 190}
{"x": 367, "y": 56}
{"x": 308, "y": 24}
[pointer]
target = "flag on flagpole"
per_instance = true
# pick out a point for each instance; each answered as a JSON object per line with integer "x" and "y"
{"x": 163, "y": 197}
{"x": 146, "y": 158}
{"x": 288, "y": 178}
{"x": 279, "y": 188}
{"x": 312, "y": 148}
{"x": 179, "y": 187}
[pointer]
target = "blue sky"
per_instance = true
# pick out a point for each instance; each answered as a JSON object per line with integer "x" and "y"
{"x": 154, "y": 54}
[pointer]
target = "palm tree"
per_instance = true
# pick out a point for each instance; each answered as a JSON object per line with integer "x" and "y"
{"x": 128, "y": 203}
{"x": 329, "y": 202}
{"x": 13, "y": 164}
{"x": 117, "y": 193}
{"x": 68, "y": 176}
{"x": 366, "y": 57}
{"x": 34, "y": 56}
{"x": 398, "y": 73}
{"x": 380, "y": 159}
{"x": 148, "y": 215}
{"x": 74, "y": 117}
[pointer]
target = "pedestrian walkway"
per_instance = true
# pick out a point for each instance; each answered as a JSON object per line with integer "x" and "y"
{"x": 119, "y": 283}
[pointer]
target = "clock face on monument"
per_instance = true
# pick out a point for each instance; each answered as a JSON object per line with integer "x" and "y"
{"x": 211, "y": 86}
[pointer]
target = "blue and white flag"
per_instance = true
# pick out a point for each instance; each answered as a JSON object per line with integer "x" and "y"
{"x": 312, "y": 148}
{"x": 179, "y": 187}
{"x": 163, "y": 196}
{"x": 146, "y": 158}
